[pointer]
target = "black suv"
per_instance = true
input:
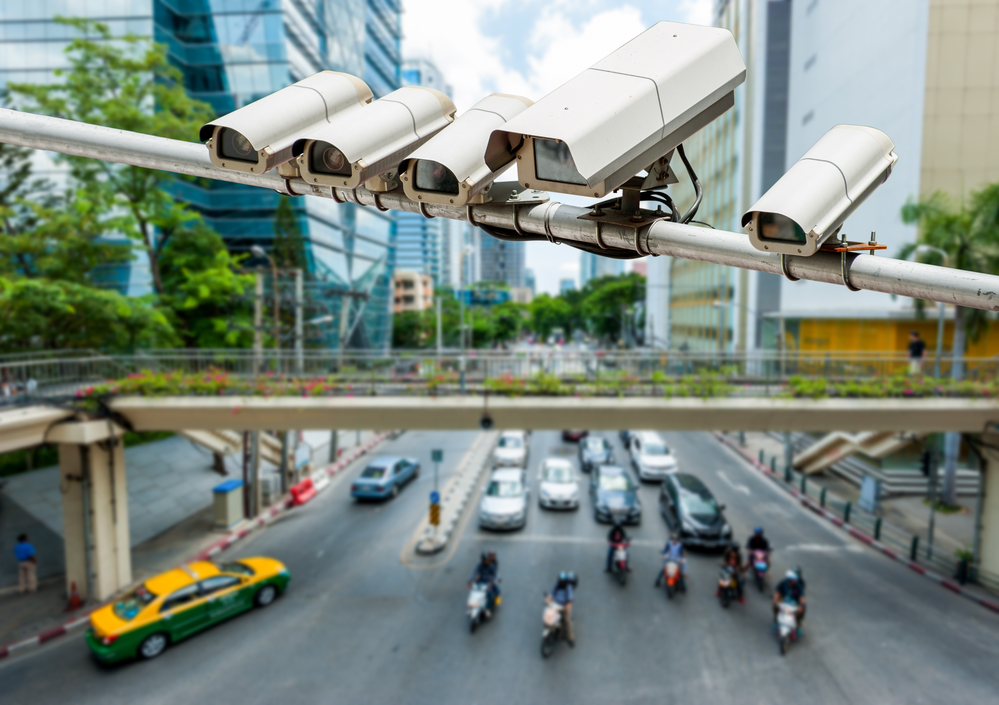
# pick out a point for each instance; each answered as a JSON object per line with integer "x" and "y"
{"x": 692, "y": 511}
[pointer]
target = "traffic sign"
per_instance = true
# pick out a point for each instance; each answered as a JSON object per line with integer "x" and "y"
{"x": 435, "y": 514}
{"x": 435, "y": 497}
{"x": 437, "y": 455}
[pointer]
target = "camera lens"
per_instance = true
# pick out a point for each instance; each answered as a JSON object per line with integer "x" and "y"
{"x": 435, "y": 177}
{"x": 327, "y": 159}
{"x": 553, "y": 162}
{"x": 233, "y": 145}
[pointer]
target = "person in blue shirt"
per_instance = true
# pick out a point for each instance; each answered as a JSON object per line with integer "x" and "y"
{"x": 563, "y": 593}
{"x": 27, "y": 563}
{"x": 674, "y": 551}
{"x": 792, "y": 588}
{"x": 487, "y": 571}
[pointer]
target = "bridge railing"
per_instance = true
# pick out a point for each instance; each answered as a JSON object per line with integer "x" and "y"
{"x": 58, "y": 372}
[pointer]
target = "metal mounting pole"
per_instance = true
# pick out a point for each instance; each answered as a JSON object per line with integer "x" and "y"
{"x": 553, "y": 221}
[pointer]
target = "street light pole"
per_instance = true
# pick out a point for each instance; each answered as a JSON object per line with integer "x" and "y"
{"x": 258, "y": 251}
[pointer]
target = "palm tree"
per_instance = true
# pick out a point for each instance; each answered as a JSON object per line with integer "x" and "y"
{"x": 966, "y": 237}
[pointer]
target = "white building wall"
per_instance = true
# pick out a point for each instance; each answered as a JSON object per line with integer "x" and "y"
{"x": 863, "y": 63}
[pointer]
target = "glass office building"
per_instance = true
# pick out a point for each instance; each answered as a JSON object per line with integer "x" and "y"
{"x": 231, "y": 53}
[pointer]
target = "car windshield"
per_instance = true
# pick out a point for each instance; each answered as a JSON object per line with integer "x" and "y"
{"x": 618, "y": 483}
{"x": 375, "y": 472}
{"x": 699, "y": 505}
{"x": 133, "y": 603}
{"x": 504, "y": 488}
{"x": 655, "y": 448}
{"x": 594, "y": 444}
{"x": 510, "y": 442}
{"x": 558, "y": 473}
{"x": 237, "y": 568}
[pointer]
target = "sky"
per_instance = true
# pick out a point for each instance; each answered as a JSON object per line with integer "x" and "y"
{"x": 529, "y": 48}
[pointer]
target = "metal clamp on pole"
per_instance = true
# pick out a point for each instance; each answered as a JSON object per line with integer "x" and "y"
{"x": 785, "y": 271}
{"x": 844, "y": 271}
{"x": 423, "y": 210}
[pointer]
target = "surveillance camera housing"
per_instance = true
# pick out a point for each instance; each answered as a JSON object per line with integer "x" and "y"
{"x": 455, "y": 166}
{"x": 618, "y": 117}
{"x": 810, "y": 203}
{"x": 259, "y": 136}
{"x": 486, "y": 422}
{"x": 349, "y": 151}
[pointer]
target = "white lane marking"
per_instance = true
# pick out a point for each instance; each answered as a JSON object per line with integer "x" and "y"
{"x": 735, "y": 486}
{"x": 823, "y": 548}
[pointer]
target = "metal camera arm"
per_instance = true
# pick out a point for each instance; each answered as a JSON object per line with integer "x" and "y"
{"x": 530, "y": 219}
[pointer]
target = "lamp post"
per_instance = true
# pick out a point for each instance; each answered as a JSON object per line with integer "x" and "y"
{"x": 940, "y": 309}
{"x": 259, "y": 252}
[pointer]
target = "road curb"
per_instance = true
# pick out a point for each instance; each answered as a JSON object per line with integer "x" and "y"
{"x": 812, "y": 505}
{"x": 324, "y": 476}
{"x": 456, "y": 495}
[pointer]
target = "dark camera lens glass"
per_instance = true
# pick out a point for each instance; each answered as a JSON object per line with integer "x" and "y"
{"x": 327, "y": 159}
{"x": 232, "y": 145}
{"x": 553, "y": 162}
{"x": 774, "y": 226}
{"x": 435, "y": 177}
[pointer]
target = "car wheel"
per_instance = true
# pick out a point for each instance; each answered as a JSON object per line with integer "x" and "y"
{"x": 395, "y": 491}
{"x": 265, "y": 596}
{"x": 153, "y": 645}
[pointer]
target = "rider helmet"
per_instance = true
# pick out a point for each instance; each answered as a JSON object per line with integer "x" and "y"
{"x": 758, "y": 531}
{"x": 484, "y": 557}
{"x": 791, "y": 575}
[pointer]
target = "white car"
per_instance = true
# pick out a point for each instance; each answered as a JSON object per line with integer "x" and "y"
{"x": 511, "y": 450}
{"x": 504, "y": 501}
{"x": 559, "y": 488}
{"x": 650, "y": 455}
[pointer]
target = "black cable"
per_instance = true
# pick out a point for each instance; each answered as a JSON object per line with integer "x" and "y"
{"x": 689, "y": 215}
{"x": 700, "y": 222}
{"x": 611, "y": 252}
{"x": 510, "y": 235}
{"x": 662, "y": 197}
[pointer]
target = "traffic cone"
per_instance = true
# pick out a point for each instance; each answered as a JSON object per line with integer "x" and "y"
{"x": 75, "y": 602}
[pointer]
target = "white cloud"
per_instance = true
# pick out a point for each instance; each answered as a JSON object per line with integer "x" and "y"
{"x": 697, "y": 11}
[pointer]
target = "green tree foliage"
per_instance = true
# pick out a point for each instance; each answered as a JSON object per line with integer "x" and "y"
{"x": 125, "y": 83}
{"x": 607, "y": 305}
{"x": 289, "y": 245}
{"x": 549, "y": 312}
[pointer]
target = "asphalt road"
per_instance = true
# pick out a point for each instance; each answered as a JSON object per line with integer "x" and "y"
{"x": 365, "y": 621}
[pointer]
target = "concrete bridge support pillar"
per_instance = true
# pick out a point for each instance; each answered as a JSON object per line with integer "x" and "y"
{"x": 94, "y": 507}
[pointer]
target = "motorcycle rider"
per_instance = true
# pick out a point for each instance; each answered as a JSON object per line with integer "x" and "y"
{"x": 673, "y": 552}
{"x": 487, "y": 571}
{"x": 617, "y": 534}
{"x": 757, "y": 542}
{"x": 562, "y": 593}
{"x": 792, "y": 587}
{"x": 733, "y": 561}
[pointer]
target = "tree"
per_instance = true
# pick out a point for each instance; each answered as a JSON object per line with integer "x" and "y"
{"x": 969, "y": 235}
{"x": 129, "y": 84}
{"x": 608, "y": 303}
{"x": 289, "y": 245}
{"x": 549, "y": 312}
{"x": 507, "y": 321}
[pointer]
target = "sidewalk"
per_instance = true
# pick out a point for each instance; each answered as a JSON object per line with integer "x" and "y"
{"x": 908, "y": 513}
{"x": 178, "y": 480}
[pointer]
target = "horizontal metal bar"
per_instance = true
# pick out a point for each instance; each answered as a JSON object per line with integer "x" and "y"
{"x": 556, "y": 221}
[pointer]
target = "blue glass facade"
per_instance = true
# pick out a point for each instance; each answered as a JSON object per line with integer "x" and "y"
{"x": 231, "y": 53}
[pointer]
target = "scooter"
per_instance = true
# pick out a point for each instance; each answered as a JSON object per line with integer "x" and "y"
{"x": 554, "y": 629}
{"x": 478, "y": 601}
{"x": 619, "y": 562}
{"x": 727, "y": 587}
{"x": 761, "y": 564}
{"x": 673, "y": 575}
{"x": 787, "y": 624}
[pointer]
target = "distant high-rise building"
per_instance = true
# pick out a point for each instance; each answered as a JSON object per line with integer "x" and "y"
{"x": 565, "y": 285}
{"x": 500, "y": 260}
{"x": 594, "y": 266}
{"x": 233, "y": 52}
{"x": 426, "y": 245}
{"x": 529, "y": 280}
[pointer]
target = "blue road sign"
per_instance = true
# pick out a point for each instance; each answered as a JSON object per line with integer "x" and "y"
{"x": 436, "y": 455}
{"x": 435, "y": 497}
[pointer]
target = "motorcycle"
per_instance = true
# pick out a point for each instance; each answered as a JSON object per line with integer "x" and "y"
{"x": 554, "y": 629}
{"x": 761, "y": 564}
{"x": 619, "y": 561}
{"x": 727, "y": 586}
{"x": 786, "y": 624}
{"x": 673, "y": 576}
{"x": 478, "y": 601}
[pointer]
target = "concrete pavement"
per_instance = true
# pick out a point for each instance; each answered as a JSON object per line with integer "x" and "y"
{"x": 357, "y": 625}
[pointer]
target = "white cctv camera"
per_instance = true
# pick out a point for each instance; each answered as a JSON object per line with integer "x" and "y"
{"x": 810, "y": 203}
{"x": 455, "y": 167}
{"x": 259, "y": 136}
{"x": 369, "y": 142}
{"x": 622, "y": 114}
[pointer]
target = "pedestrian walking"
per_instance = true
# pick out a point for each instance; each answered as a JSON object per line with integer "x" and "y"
{"x": 27, "y": 563}
{"x": 917, "y": 353}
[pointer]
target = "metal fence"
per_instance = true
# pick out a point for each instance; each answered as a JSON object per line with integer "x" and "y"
{"x": 69, "y": 368}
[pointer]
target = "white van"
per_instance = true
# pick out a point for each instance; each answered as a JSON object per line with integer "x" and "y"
{"x": 650, "y": 455}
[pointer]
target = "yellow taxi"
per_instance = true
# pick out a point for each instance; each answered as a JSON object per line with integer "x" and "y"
{"x": 180, "y": 602}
